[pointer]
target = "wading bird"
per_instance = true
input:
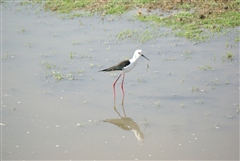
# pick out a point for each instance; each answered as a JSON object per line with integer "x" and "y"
{"x": 124, "y": 66}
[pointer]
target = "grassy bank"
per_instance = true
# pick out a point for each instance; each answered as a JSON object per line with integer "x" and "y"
{"x": 195, "y": 20}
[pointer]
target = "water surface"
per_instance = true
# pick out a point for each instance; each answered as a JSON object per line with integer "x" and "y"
{"x": 184, "y": 106}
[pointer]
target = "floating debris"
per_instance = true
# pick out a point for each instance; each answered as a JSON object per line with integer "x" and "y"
{"x": 1, "y": 124}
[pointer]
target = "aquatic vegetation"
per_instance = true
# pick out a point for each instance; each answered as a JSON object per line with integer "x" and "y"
{"x": 197, "y": 21}
{"x": 55, "y": 34}
{"x": 80, "y": 72}
{"x": 141, "y": 79}
{"x": 238, "y": 110}
{"x": 237, "y": 39}
{"x": 60, "y": 75}
{"x": 28, "y": 44}
{"x": 72, "y": 54}
{"x": 213, "y": 83}
{"x": 214, "y": 58}
{"x": 60, "y": 72}
{"x": 126, "y": 34}
{"x": 91, "y": 65}
{"x": 227, "y": 82}
{"x": 189, "y": 25}
{"x": 170, "y": 59}
{"x": 228, "y": 56}
{"x": 139, "y": 35}
{"x": 206, "y": 67}
{"x": 113, "y": 74}
{"x": 57, "y": 75}
{"x": 147, "y": 66}
{"x": 182, "y": 81}
{"x": 114, "y": 8}
{"x": 200, "y": 100}
{"x": 187, "y": 54}
{"x": 21, "y": 29}
{"x": 196, "y": 89}
{"x": 76, "y": 43}
{"x": 48, "y": 65}
{"x": 5, "y": 56}
{"x": 66, "y": 6}
{"x": 80, "y": 124}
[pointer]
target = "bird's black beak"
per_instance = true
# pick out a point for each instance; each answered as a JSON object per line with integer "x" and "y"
{"x": 145, "y": 57}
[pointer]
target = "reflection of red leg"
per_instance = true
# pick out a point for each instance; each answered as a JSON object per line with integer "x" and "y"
{"x": 122, "y": 84}
{"x": 114, "y": 85}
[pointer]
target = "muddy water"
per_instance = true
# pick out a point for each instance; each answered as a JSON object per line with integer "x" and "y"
{"x": 56, "y": 105}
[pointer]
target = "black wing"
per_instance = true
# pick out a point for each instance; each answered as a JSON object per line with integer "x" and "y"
{"x": 119, "y": 66}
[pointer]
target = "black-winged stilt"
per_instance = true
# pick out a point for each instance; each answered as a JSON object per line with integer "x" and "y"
{"x": 124, "y": 66}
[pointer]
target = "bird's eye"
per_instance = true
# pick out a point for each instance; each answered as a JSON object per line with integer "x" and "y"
{"x": 139, "y": 53}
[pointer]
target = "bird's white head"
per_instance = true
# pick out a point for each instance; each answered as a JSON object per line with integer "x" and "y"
{"x": 137, "y": 54}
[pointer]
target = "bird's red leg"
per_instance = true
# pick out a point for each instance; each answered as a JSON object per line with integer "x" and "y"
{"x": 122, "y": 84}
{"x": 114, "y": 86}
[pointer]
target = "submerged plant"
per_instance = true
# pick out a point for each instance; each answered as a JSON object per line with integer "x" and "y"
{"x": 76, "y": 43}
{"x": 229, "y": 55}
{"x": 69, "y": 76}
{"x": 57, "y": 75}
{"x": 187, "y": 54}
{"x": 6, "y": 56}
{"x": 196, "y": 89}
{"x": 126, "y": 34}
{"x": 48, "y": 65}
{"x": 206, "y": 67}
{"x": 139, "y": 35}
{"x": 29, "y": 44}
{"x": 200, "y": 100}
{"x": 72, "y": 54}
{"x": 140, "y": 79}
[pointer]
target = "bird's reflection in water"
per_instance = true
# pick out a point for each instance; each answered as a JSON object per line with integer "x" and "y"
{"x": 126, "y": 123}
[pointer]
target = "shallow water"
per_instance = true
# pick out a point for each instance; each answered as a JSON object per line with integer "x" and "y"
{"x": 184, "y": 106}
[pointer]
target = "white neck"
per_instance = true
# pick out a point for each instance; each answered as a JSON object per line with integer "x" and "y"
{"x": 133, "y": 59}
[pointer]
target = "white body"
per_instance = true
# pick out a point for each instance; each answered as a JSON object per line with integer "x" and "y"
{"x": 133, "y": 61}
{"x": 130, "y": 66}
